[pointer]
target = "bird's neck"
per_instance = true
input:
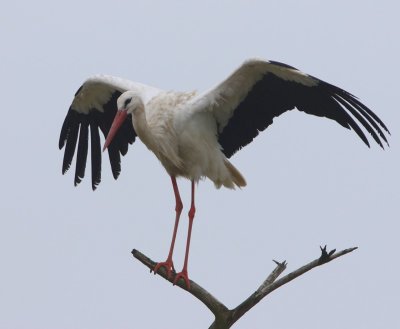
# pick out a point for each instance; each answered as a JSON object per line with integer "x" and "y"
{"x": 141, "y": 127}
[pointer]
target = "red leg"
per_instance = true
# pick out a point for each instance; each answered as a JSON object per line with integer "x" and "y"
{"x": 184, "y": 273}
{"x": 168, "y": 264}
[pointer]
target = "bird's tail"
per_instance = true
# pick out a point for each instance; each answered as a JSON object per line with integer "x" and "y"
{"x": 237, "y": 177}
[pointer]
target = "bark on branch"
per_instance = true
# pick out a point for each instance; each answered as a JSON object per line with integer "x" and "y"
{"x": 224, "y": 317}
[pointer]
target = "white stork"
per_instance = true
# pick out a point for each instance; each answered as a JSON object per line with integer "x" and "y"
{"x": 192, "y": 134}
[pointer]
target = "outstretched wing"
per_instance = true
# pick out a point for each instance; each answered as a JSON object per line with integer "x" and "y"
{"x": 94, "y": 106}
{"x": 257, "y": 92}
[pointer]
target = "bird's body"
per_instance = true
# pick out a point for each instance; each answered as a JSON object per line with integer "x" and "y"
{"x": 186, "y": 145}
{"x": 192, "y": 134}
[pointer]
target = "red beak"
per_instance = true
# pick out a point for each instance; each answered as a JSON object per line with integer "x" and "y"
{"x": 118, "y": 121}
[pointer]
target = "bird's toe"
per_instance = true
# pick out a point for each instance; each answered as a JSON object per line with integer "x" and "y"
{"x": 168, "y": 265}
{"x": 184, "y": 276}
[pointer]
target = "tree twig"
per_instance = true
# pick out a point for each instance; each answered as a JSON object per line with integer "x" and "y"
{"x": 264, "y": 290}
{"x": 225, "y": 318}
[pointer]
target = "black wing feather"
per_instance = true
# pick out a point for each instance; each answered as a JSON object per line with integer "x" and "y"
{"x": 70, "y": 131}
{"x": 365, "y": 109}
{"x": 96, "y": 153}
{"x": 271, "y": 96}
{"x": 81, "y": 155}
{"x": 76, "y": 122}
{"x": 360, "y": 118}
{"x": 370, "y": 116}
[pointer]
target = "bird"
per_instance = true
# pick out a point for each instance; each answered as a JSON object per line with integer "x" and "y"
{"x": 195, "y": 134}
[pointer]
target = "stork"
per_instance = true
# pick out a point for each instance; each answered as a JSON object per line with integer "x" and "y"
{"x": 194, "y": 134}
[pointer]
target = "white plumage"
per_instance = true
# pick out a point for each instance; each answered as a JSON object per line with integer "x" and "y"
{"x": 193, "y": 135}
{"x": 185, "y": 144}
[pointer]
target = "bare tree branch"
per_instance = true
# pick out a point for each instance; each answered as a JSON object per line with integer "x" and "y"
{"x": 215, "y": 306}
{"x": 225, "y": 318}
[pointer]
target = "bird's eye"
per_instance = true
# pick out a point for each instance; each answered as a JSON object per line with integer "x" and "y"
{"x": 127, "y": 101}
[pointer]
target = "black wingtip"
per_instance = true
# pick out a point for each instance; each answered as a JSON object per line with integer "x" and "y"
{"x": 361, "y": 113}
{"x": 96, "y": 154}
{"x": 61, "y": 144}
{"x": 387, "y": 143}
{"x": 63, "y": 136}
{"x": 65, "y": 168}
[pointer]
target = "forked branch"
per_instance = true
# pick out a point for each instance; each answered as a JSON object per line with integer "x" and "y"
{"x": 225, "y": 318}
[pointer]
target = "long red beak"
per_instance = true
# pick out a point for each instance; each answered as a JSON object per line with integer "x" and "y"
{"x": 118, "y": 121}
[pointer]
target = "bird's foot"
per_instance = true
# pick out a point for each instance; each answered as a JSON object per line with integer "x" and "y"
{"x": 168, "y": 265}
{"x": 182, "y": 275}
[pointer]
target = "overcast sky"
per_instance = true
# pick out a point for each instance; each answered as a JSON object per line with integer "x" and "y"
{"x": 65, "y": 257}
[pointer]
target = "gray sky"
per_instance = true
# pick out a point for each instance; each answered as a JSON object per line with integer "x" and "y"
{"x": 65, "y": 251}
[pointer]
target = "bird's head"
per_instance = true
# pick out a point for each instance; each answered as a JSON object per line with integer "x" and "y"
{"x": 127, "y": 103}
